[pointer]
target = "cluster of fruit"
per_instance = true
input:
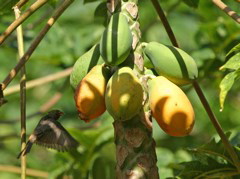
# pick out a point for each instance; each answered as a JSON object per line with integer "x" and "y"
{"x": 101, "y": 81}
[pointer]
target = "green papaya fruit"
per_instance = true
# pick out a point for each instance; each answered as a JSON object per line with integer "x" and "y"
{"x": 116, "y": 41}
{"x": 124, "y": 94}
{"x": 147, "y": 62}
{"x": 172, "y": 63}
{"x": 84, "y": 64}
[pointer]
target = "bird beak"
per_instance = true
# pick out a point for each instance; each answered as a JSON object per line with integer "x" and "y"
{"x": 61, "y": 113}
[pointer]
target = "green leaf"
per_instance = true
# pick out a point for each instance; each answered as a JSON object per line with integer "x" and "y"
{"x": 226, "y": 84}
{"x": 197, "y": 169}
{"x": 213, "y": 149}
{"x": 191, "y": 3}
{"x": 100, "y": 12}
{"x": 210, "y": 161}
{"x": 232, "y": 63}
{"x": 236, "y": 140}
{"x": 234, "y": 49}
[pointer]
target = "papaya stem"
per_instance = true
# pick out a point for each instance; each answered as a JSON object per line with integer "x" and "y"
{"x": 217, "y": 125}
{"x": 198, "y": 90}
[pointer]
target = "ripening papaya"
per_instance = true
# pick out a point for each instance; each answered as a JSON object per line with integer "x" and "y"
{"x": 89, "y": 94}
{"x": 170, "y": 107}
{"x": 84, "y": 64}
{"x": 124, "y": 94}
{"x": 172, "y": 63}
{"x": 116, "y": 41}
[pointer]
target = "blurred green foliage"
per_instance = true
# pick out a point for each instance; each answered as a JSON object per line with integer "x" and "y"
{"x": 202, "y": 30}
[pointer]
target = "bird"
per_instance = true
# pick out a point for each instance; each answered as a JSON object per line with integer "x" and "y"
{"x": 50, "y": 133}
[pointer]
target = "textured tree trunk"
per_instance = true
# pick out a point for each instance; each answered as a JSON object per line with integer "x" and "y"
{"x": 135, "y": 147}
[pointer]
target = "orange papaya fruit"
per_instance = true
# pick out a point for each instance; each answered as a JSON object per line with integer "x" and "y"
{"x": 89, "y": 94}
{"x": 170, "y": 107}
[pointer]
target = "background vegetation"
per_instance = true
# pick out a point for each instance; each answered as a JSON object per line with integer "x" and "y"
{"x": 201, "y": 29}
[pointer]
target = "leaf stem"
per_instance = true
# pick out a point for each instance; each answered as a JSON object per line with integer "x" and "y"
{"x": 164, "y": 20}
{"x": 35, "y": 6}
{"x": 211, "y": 115}
{"x": 22, "y": 93}
{"x": 57, "y": 13}
{"x": 217, "y": 126}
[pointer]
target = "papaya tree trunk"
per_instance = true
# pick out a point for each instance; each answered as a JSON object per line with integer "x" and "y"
{"x": 135, "y": 147}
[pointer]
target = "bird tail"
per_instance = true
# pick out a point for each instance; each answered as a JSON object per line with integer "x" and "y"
{"x": 25, "y": 150}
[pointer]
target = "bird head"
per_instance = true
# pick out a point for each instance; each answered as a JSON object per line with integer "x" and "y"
{"x": 55, "y": 114}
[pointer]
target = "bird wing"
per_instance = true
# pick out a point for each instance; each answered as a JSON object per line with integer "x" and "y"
{"x": 51, "y": 134}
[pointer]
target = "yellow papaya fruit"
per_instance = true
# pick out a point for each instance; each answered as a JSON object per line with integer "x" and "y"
{"x": 89, "y": 94}
{"x": 116, "y": 41}
{"x": 124, "y": 94}
{"x": 170, "y": 107}
{"x": 172, "y": 63}
{"x": 84, "y": 64}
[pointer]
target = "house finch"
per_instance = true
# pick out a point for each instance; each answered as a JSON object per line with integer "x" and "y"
{"x": 51, "y": 134}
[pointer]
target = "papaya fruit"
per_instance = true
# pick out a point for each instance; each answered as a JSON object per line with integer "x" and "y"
{"x": 172, "y": 63}
{"x": 124, "y": 94}
{"x": 84, "y": 64}
{"x": 89, "y": 94}
{"x": 147, "y": 62}
{"x": 170, "y": 107}
{"x": 116, "y": 41}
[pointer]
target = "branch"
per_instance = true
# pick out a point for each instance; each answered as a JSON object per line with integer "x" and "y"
{"x": 21, "y": 3}
{"x": 22, "y": 94}
{"x": 45, "y": 107}
{"x": 2, "y": 100}
{"x": 165, "y": 22}
{"x": 35, "y": 43}
{"x": 227, "y": 10}
{"x": 40, "y": 81}
{"x": 211, "y": 115}
{"x": 29, "y": 172}
{"x": 21, "y": 19}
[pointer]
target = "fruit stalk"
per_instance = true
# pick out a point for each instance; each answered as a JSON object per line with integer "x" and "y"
{"x": 135, "y": 147}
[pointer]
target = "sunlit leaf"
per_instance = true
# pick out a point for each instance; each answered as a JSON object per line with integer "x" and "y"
{"x": 232, "y": 63}
{"x": 226, "y": 84}
{"x": 234, "y": 49}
